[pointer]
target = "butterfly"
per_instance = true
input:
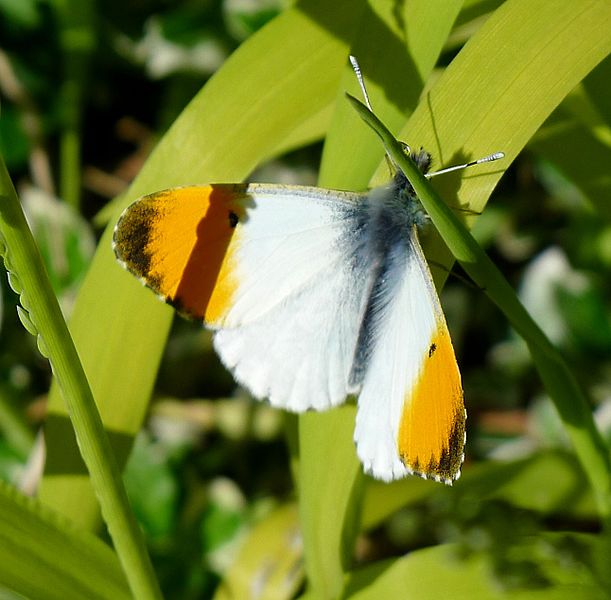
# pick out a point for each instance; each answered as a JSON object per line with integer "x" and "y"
{"x": 313, "y": 295}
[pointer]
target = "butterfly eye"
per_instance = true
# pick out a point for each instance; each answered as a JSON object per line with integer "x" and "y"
{"x": 406, "y": 149}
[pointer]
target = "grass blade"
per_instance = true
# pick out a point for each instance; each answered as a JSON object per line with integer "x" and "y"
{"x": 557, "y": 378}
{"x": 42, "y": 316}
{"x": 45, "y": 556}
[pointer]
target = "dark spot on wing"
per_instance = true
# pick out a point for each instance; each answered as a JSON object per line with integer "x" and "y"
{"x": 448, "y": 466}
{"x": 451, "y": 457}
{"x": 432, "y": 350}
{"x": 131, "y": 237}
{"x": 233, "y": 219}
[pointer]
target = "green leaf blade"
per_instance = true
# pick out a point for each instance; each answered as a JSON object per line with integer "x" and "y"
{"x": 44, "y": 556}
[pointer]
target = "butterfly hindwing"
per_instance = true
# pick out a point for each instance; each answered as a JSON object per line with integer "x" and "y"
{"x": 300, "y": 354}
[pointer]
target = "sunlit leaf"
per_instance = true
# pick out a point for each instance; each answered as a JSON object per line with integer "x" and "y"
{"x": 44, "y": 556}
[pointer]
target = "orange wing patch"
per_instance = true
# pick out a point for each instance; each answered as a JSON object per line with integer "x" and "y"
{"x": 432, "y": 431}
{"x": 182, "y": 244}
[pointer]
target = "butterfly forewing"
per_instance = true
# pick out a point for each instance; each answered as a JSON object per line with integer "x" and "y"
{"x": 280, "y": 272}
{"x": 411, "y": 416}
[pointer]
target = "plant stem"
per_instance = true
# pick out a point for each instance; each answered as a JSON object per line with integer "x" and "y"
{"x": 560, "y": 383}
{"x": 42, "y": 316}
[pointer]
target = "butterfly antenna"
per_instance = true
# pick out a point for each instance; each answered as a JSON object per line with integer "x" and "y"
{"x": 479, "y": 161}
{"x": 357, "y": 71}
{"x": 359, "y": 76}
{"x": 490, "y": 158}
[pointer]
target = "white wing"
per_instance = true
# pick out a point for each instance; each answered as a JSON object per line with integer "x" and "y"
{"x": 299, "y": 354}
{"x": 280, "y": 271}
{"x": 411, "y": 416}
{"x": 291, "y": 330}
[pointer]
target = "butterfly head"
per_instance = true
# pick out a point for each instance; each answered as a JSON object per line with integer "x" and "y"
{"x": 407, "y": 197}
{"x": 422, "y": 158}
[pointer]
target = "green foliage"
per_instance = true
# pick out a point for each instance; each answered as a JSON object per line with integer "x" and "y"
{"x": 209, "y": 478}
{"x": 45, "y": 556}
{"x": 40, "y": 314}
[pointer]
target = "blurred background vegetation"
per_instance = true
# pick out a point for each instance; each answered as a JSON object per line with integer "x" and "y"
{"x": 210, "y": 464}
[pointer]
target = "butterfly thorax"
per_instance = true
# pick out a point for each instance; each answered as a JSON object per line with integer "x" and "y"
{"x": 407, "y": 200}
{"x": 397, "y": 204}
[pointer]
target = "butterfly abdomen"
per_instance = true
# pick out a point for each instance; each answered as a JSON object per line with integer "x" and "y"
{"x": 387, "y": 248}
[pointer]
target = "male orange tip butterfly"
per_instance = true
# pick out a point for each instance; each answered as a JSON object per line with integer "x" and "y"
{"x": 314, "y": 294}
